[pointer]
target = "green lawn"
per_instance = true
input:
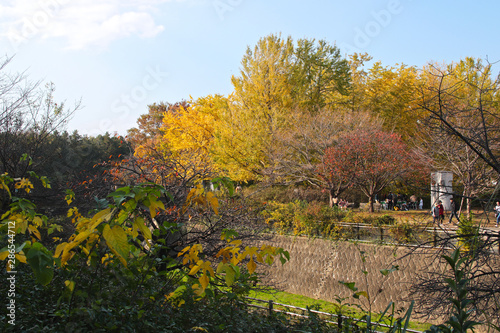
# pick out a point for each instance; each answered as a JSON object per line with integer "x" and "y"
{"x": 324, "y": 306}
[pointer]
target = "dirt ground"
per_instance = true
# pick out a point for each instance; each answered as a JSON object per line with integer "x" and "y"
{"x": 486, "y": 220}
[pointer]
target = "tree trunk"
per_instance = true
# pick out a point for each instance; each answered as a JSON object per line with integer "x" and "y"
{"x": 370, "y": 202}
{"x": 334, "y": 198}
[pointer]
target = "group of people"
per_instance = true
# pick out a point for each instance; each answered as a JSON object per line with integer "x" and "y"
{"x": 343, "y": 204}
{"x": 438, "y": 212}
{"x": 401, "y": 202}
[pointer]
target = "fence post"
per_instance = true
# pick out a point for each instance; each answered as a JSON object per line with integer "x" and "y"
{"x": 381, "y": 234}
{"x": 270, "y": 307}
{"x": 357, "y": 231}
{"x": 435, "y": 237}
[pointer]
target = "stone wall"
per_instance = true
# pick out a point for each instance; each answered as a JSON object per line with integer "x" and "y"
{"x": 316, "y": 266}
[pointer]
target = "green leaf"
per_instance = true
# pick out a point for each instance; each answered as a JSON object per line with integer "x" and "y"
{"x": 360, "y": 293}
{"x": 117, "y": 241}
{"x": 229, "y": 234}
{"x": 385, "y": 272}
{"x": 350, "y": 285}
{"x": 41, "y": 263}
{"x": 139, "y": 223}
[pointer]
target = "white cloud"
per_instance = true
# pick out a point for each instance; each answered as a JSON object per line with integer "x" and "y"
{"x": 82, "y": 23}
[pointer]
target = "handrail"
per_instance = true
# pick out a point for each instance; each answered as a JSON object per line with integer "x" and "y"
{"x": 271, "y": 308}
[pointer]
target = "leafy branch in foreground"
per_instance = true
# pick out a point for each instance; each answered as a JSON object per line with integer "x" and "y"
{"x": 459, "y": 318}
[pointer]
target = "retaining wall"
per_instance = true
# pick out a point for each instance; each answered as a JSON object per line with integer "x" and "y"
{"x": 316, "y": 266}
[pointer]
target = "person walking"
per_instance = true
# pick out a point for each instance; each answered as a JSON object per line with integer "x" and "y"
{"x": 497, "y": 212}
{"x": 435, "y": 213}
{"x": 441, "y": 211}
{"x": 453, "y": 211}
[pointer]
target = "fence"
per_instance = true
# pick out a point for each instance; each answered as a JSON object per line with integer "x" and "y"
{"x": 340, "y": 319}
{"x": 397, "y": 235}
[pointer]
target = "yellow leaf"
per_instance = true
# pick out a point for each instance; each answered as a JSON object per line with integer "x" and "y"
{"x": 5, "y": 187}
{"x": 24, "y": 183}
{"x": 204, "y": 281}
{"x": 140, "y": 224}
{"x": 70, "y": 285}
{"x": 59, "y": 249}
{"x": 21, "y": 257}
{"x": 236, "y": 242}
{"x": 32, "y": 229}
{"x": 212, "y": 200}
{"x": 196, "y": 268}
{"x": 4, "y": 255}
{"x": 37, "y": 221}
{"x": 251, "y": 266}
{"x": 66, "y": 256}
{"x": 155, "y": 205}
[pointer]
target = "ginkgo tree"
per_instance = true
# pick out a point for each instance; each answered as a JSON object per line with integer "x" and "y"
{"x": 278, "y": 77}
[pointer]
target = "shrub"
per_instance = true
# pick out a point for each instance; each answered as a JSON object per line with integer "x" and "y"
{"x": 283, "y": 216}
{"x": 467, "y": 233}
{"x": 403, "y": 232}
{"x": 385, "y": 219}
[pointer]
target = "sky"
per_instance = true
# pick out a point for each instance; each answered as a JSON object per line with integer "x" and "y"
{"x": 119, "y": 56}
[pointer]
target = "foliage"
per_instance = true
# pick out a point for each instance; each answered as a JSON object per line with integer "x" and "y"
{"x": 28, "y": 116}
{"x": 125, "y": 245}
{"x": 301, "y": 218}
{"x": 370, "y": 160}
{"x": 467, "y": 232}
{"x": 403, "y": 232}
{"x": 192, "y": 129}
{"x": 278, "y": 78}
{"x": 386, "y": 219}
{"x": 459, "y": 318}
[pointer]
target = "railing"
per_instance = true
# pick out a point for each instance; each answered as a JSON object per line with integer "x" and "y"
{"x": 340, "y": 318}
{"x": 430, "y": 235}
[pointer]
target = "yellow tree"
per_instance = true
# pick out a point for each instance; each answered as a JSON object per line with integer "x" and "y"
{"x": 146, "y": 135}
{"x": 390, "y": 94}
{"x": 192, "y": 128}
{"x": 276, "y": 79}
{"x": 462, "y": 124}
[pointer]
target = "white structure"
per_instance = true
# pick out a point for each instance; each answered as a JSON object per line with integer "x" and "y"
{"x": 442, "y": 188}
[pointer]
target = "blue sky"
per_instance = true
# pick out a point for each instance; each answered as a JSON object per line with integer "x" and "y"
{"x": 120, "y": 56}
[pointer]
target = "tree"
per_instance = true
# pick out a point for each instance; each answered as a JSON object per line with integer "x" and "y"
{"x": 28, "y": 116}
{"x": 301, "y": 158}
{"x": 446, "y": 152}
{"x": 148, "y": 130}
{"x": 385, "y": 92}
{"x": 460, "y": 104}
{"x": 369, "y": 160}
{"x": 277, "y": 78}
{"x": 320, "y": 75}
{"x": 463, "y": 101}
{"x": 190, "y": 132}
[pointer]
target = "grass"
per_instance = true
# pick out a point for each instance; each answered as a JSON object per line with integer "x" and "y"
{"x": 322, "y": 305}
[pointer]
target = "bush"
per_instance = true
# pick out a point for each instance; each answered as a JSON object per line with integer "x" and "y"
{"x": 467, "y": 233}
{"x": 385, "y": 219}
{"x": 302, "y": 218}
{"x": 403, "y": 232}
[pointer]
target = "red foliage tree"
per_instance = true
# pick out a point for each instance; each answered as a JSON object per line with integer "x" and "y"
{"x": 368, "y": 160}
